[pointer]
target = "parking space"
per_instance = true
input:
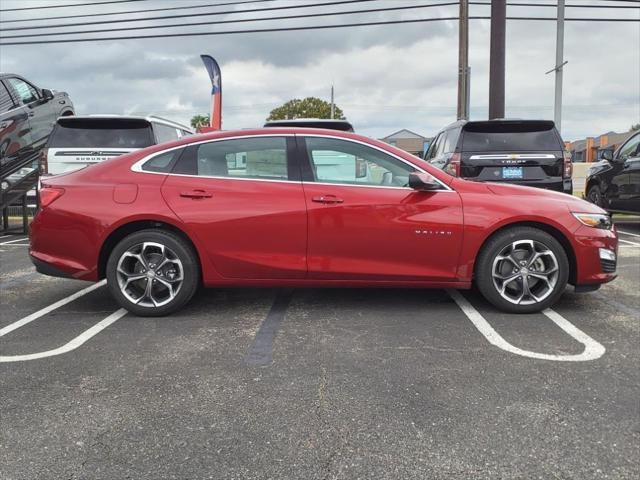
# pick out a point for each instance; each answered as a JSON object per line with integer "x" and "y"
{"x": 317, "y": 383}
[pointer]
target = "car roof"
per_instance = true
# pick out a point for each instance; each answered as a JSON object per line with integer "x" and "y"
{"x": 328, "y": 123}
{"x": 496, "y": 121}
{"x": 149, "y": 118}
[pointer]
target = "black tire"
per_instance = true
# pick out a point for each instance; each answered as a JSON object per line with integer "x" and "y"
{"x": 594, "y": 195}
{"x": 497, "y": 245}
{"x": 182, "y": 257}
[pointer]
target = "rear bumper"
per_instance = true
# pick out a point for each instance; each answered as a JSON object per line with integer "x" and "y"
{"x": 48, "y": 269}
{"x": 59, "y": 251}
{"x": 556, "y": 184}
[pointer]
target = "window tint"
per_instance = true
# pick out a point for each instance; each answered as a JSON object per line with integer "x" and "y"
{"x": 630, "y": 148}
{"x": 452, "y": 140}
{"x": 26, "y": 92}
{"x": 165, "y": 133}
{"x": 161, "y": 162}
{"x": 6, "y": 103}
{"x": 509, "y": 136}
{"x": 238, "y": 158}
{"x": 342, "y": 161}
{"x": 94, "y": 133}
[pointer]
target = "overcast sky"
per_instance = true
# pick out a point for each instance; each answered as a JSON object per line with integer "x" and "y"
{"x": 386, "y": 77}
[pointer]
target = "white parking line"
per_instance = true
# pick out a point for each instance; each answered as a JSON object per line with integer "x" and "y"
{"x": 592, "y": 349}
{"x": 73, "y": 344}
{"x": 629, "y": 233}
{"x": 622, "y": 240}
{"x": 34, "y": 316}
{"x": 17, "y": 245}
{"x": 14, "y": 241}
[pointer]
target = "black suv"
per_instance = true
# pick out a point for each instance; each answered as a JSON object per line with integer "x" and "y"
{"x": 614, "y": 183}
{"x": 523, "y": 152}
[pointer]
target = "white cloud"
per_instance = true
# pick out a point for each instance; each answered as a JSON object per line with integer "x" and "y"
{"x": 386, "y": 78}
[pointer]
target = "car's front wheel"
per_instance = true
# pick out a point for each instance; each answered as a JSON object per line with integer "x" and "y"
{"x": 594, "y": 195}
{"x": 522, "y": 270}
{"x": 152, "y": 272}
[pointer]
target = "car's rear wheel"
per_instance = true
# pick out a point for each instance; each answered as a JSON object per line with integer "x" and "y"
{"x": 594, "y": 195}
{"x": 522, "y": 270}
{"x": 153, "y": 272}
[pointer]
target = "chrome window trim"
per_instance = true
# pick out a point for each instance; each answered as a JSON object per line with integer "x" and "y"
{"x": 137, "y": 166}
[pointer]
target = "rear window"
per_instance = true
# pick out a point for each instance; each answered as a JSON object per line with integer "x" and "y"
{"x": 509, "y": 136}
{"x": 91, "y": 133}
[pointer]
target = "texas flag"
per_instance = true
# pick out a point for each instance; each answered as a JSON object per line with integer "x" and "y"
{"x": 216, "y": 90}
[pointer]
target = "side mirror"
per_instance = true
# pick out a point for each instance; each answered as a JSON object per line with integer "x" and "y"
{"x": 607, "y": 155}
{"x": 47, "y": 94}
{"x": 423, "y": 182}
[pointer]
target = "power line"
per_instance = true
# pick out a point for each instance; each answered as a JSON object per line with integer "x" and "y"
{"x": 207, "y": 14}
{"x": 308, "y": 27}
{"x": 553, "y": 5}
{"x": 127, "y": 12}
{"x": 64, "y": 6}
{"x": 243, "y": 20}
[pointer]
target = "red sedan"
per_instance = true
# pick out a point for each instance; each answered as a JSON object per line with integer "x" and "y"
{"x": 310, "y": 207}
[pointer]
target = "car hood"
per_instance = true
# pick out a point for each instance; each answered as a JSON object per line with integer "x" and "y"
{"x": 574, "y": 204}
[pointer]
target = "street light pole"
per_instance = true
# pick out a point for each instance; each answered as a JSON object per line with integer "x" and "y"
{"x": 557, "y": 108}
{"x": 496, "y": 58}
{"x": 333, "y": 106}
{"x": 463, "y": 61}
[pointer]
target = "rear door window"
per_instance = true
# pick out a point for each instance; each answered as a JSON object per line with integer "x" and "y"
{"x": 101, "y": 133}
{"x": 257, "y": 158}
{"x": 510, "y": 137}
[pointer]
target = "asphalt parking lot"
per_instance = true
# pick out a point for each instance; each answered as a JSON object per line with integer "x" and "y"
{"x": 317, "y": 384}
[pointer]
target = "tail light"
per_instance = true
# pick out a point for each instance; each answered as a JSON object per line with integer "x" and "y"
{"x": 48, "y": 195}
{"x": 361, "y": 168}
{"x": 567, "y": 166}
{"x": 453, "y": 167}
{"x": 44, "y": 162}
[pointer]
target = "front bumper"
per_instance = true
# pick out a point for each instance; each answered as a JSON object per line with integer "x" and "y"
{"x": 596, "y": 252}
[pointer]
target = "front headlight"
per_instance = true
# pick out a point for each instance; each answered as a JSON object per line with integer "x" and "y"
{"x": 595, "y": 220}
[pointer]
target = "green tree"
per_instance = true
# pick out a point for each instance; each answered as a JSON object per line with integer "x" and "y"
{"x": 310, "y": 107}
{"x": 635, "y": 127}
{"x": 198, "y": 121}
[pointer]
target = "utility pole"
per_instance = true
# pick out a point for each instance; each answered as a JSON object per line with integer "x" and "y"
{"x": 463, "y": 61}
{"x": 333, "y": 106}
{"x": 557, "y": 106}
{"x": 496, "y": 58}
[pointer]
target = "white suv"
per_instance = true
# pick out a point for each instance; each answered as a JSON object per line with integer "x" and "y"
{"x": 78, "y": 141}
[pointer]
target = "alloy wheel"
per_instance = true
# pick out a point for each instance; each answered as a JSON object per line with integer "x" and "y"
{"x": 525, "y": 272}
{"x": 595, "y": 197}
{"x": 149, "y": 274}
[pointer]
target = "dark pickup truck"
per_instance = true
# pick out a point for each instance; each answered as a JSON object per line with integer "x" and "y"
{"x": 27, "y": 117}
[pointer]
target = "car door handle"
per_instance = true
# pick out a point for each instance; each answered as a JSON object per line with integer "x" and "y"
{"x": 195, "y": 194}
{"x": 329, "y": 199}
